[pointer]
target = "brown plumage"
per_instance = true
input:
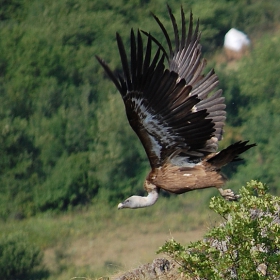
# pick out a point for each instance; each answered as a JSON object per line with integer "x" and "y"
{"x": 175, "y": 113}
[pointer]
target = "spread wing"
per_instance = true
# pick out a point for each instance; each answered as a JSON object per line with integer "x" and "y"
{"x": 158, "y": 104}
{"x": 169, "y": 109}
{"x": 185, "y": 59}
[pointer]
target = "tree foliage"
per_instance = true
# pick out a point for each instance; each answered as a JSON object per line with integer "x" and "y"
{"x": 254, "y": 99}
{"x": 245, "y": 246}
{"x": 64, "y": 137}
{"x": 19, "y": 258}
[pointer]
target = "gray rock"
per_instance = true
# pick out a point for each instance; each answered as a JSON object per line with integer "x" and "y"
{"x": 161, "y": 269}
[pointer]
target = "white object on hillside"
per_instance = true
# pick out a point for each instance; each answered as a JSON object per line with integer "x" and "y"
{"x": 236, "y": 40}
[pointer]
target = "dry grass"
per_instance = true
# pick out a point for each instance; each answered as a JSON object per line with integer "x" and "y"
{"x": 102, "y": 241}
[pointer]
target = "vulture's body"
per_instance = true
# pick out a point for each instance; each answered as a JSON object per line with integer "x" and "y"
{"x": 176, "y": 113}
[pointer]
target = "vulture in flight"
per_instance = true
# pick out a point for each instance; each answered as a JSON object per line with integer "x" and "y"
{"x": 175, "y": 111}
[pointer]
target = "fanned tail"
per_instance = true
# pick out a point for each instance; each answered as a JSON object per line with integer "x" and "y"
{"x": 229, "y": 154}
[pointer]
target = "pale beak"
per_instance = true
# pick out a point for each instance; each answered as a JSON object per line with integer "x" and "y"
{"x": 120, "y": 206}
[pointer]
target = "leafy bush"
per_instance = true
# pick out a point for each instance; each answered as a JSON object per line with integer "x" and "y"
{"x": 64, "y": 137}
{"x": 18, "y": 257}
{"x": 245, "y": 246}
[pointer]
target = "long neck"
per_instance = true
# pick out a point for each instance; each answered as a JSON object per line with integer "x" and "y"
{"x": 149, "y": 200}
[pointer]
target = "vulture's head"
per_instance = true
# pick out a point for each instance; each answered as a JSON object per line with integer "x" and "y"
{"x": 136, "y": 201}
{"x": 131, "y": 202}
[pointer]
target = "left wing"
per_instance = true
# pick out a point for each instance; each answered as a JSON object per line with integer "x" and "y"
{"x": 159, "y": 106}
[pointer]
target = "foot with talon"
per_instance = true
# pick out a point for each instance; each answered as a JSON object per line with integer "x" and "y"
{"x": 228, "y": 194}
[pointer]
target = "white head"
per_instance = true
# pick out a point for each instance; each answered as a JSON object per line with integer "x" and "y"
{"x": 136, "y": 201}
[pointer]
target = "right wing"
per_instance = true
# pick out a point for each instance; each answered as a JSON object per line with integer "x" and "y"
{"x": 185, "y": 59}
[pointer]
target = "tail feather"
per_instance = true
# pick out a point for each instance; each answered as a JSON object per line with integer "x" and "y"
{"x": 229, "y": 154}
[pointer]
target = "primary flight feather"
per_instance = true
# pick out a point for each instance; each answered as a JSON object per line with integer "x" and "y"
{"x": 176, "y": 113}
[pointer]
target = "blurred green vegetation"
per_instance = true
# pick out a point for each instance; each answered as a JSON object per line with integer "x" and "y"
{"x": 65, "y": 141}
{"x": 20, "y": 259}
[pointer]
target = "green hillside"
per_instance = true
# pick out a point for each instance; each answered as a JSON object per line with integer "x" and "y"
{"x": 66, "y": 146}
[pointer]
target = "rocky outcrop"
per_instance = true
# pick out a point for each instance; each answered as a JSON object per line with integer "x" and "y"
{"x": 161, "y": 269}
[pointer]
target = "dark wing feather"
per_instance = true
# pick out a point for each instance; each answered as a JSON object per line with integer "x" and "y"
{"x": 159, "y": 105}
{"x": 231, "y": 153}
{"x": 185, "y": 59}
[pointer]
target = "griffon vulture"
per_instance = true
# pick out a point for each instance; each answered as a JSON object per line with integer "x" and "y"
{"x": 176, "y": 113}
